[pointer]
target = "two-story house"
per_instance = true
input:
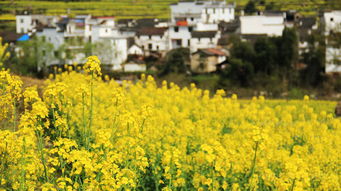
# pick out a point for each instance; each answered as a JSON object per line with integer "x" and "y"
{"x": 188, "y": 17}
{"x": 152, "y": 39}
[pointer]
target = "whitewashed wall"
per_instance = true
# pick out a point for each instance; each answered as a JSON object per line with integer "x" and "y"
{"x": 333, "y": 54}
{"x": 260, "y": 24}
{"x": 159, "y": 43}
{"x": 332, "y": 21}
{"x": 135, "y": 50}
{"x": 52, "y": 36}
{"x": 183, "y": 33}
{"x": 24, "y": 23}
{"x": 132, "y": 67}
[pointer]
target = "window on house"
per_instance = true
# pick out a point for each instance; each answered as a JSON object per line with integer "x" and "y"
{"x": 176, "y": 29}
{"x": 106, "y": 30}
{"x": 22, "y": 30}
{"x": 90, "y": 27}
{"x": 150, "y": 36}
{"x": 213, "y": 10}
{"x": 178, "y": 42}
{"x": 21, "y": 20}
{"x": 192, "y": 19}
{"x": 157, "y": 47}
{"x": 49, "y": 39}
{"x": 190, "y": 29}
{"x": 150, "y": 46}
{"x": 332, "y": 19}
{"x": 199, "y": 40}
{"x": 43, "y": 53}
{"x": 189, "y": 42}
{"x": 142, "y": 47}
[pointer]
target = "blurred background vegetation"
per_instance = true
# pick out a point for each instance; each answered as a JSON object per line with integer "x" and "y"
{"x": 145, "y": 8}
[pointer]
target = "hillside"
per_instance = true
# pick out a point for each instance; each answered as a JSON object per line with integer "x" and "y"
{"x": 143, "y": 8}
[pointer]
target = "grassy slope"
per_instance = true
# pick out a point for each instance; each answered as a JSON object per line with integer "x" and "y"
{"x": 140, "y": 8}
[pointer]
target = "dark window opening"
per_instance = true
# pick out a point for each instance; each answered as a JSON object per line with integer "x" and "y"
{"x": 150, "y": 46}
{"x": 190, "y": 29}
{"x": 21, "y": 20}
{"x": 331, "y": 19}
{"x": 150, "y": 36}
{"x": 192, "y": 19}
{"x": 189, "y": 42}
{"x": 176, "y": 29}
{"x": 157, "y": 47}
{"x": 178, "y": 42}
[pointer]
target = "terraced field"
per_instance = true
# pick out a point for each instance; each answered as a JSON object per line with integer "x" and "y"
{"x": 142, "y": 8}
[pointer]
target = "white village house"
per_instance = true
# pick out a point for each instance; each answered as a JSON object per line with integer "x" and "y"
{"x": 73, "y": 33}
{"x": 151, "y": 39}
{"x": 27, "y": 23}
{"x": 189, "y": 17}
{"x": 264, "y": 24}
{"x": 332, "y": 24}
{"x": 207, "y": 60}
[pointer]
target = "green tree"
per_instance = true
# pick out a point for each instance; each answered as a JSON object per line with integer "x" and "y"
{"x": 250, "y": 7}
{"x": 31, "y": 56}
{"x": 266, "y": 56}
{"x": 315, "y": 60}
{"x": 175, "y": 61}
{"x": 243, "y": 51}
{"x": 288, "y": 56}
{"x": 240, "y": 72}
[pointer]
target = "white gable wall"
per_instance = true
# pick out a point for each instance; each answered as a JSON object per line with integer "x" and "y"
{"x": 135, "y": 50}
{"x": 24, "y": 23}
{"x": 217, "y": 14}
{"x": 202, "y": 43}
{"x": 183, "y": 34}
{"x": 333, "y": 60}
{"x": 260, "y": 24}
{"x": 52, "y": 36}
{"x": 332, "y": 21}
{"x": 158, "y": 43}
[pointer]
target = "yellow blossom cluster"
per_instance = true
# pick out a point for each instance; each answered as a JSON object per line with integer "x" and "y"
{"x": 85, "y": 133}
{"x": 4, "y": 54}
{"x": 92, "y": 65}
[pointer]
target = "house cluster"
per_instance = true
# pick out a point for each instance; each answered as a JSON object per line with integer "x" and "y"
{"x": 201, "y": 26}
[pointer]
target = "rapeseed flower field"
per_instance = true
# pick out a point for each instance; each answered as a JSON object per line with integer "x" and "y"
{"x": 84, "y": 131}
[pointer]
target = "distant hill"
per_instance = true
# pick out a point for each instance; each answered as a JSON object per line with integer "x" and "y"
{"x": 143, "y": 8}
